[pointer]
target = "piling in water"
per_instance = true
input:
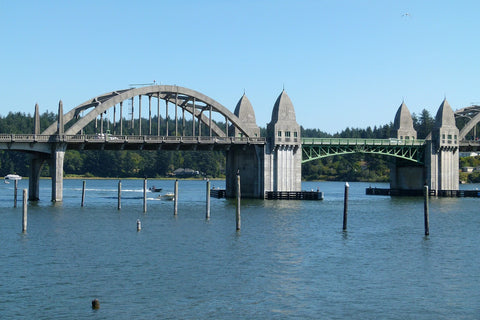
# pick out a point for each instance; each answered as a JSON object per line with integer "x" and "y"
{"x": 175, "y": 198}
{"x": 15, "y": 193}
{"x": 83, "y": 193}
{"x": 119, "y": 195}
{"x": 24, "y": 217}
{"x": 139, "y": 225}
{"x": 345, "y": 206}
{"x": 145, "y": 195}
{"x": 239, "y": 196}
{"x": 207, "y": 214}
{"x": 425, "y": 211}
{"x": 95, "y": 304}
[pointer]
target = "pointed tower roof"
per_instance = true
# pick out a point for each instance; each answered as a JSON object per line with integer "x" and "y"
{"x": 244, "y": 110}
{"x": 283, "y": 109}
{"x": 403, "y": 118}
{"x": 445, "y": 116}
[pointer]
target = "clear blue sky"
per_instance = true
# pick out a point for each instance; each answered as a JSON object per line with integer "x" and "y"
{"x": 343, "y": 63}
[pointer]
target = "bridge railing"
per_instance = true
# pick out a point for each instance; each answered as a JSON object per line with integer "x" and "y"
{"x": 108, "y": 138}
{"x": 360, "y": 141}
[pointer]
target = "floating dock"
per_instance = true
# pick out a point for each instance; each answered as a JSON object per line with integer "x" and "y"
{"x": 419, "y": 193}
{"x": 278, "y": 195}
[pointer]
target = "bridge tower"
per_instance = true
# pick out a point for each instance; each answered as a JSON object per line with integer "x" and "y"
{"x": 283, "y": 151}
{"x": 405, "y": 174}
{"x": 442, "y": 151}
{"x": 55, "y": 160}
{"x": 245, "y": 160}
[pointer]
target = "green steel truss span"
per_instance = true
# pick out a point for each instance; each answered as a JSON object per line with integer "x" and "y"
{"x": 317, "y": 148}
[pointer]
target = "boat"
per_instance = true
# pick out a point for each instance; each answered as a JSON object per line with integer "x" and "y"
{"x": 13, "y": 177}
{"x": 153, "y": 189}
{"x": 167, "y": 196}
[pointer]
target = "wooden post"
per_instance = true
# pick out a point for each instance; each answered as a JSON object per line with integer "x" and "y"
{"x": 345, "y": 206}
{"x": 145, "y": 195}
{"x": 24, "y": 217}
{"x": 425, "y": 211}
{"x": 83, "y": 193}
{"x": 208, "y": 200}
{"x": 15, "y": 193}
{"x": 175, "y": 198}
{"x": 239, "y": 196}
{"x": 139, "y": 225}
{"x": 119, "y": 195}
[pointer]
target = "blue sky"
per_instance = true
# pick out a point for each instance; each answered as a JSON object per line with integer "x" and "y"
{"x": 342, "y": 63}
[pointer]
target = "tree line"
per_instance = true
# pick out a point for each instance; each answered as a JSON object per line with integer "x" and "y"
{"x": 161, "y": 163}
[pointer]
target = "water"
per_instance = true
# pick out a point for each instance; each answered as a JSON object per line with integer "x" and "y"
{"x": 291, "y": 259}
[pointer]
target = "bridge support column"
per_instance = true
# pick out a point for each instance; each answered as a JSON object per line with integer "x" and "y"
{"x": 405, "y": 175}
{"x": 36, "y": 164}
{"x": 56, "y": 172}
{"x": 247, "y": 160}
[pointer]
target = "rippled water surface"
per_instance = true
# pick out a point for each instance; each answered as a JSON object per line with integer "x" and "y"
{"x": 290, "y": 260}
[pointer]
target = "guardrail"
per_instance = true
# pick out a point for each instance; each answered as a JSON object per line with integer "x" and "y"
{"x": 359, "y": 141}
{"x": 108, "y": 138}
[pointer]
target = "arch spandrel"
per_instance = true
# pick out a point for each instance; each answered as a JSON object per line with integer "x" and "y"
{"x": 106, "y": 101}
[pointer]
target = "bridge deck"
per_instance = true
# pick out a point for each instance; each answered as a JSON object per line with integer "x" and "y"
{"x": 116, "y": 142}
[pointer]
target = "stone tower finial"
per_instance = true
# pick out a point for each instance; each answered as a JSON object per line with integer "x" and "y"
{"x": 36, "y": 120}
{"x": 244, "y": 111}
{"x": 403, "y": 124}
{"x": 60, "y": 124}
{"x": 445, "y": 131}
{"x": 283, "y": 127}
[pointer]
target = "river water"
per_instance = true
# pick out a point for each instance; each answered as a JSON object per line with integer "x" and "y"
{"x": 291, "y": 259}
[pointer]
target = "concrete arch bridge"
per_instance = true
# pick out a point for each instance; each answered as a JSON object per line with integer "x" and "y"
{"x": 271, "y": 163}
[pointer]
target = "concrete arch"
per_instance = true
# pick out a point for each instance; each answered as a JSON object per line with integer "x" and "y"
{"x": 472, "y": 113}
{"x": 166, "y": 92}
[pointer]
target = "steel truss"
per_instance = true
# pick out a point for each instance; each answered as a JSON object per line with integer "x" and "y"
{"x": 318, "y": 148}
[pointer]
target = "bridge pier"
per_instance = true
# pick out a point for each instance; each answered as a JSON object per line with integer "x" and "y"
{"x": 56, "y": 171}
{"x": 36, "y": 163}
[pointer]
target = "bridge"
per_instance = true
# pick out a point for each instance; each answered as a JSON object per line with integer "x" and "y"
{"x": 271, "y": 163}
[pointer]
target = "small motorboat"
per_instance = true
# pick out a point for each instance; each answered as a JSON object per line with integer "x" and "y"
{"x": 12, "y": 177}
{"x": 154, "y": 189}
{"x": 167, "y": 196}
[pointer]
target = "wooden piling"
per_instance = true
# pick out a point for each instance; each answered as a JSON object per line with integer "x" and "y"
{"x": 83, "y": 193}
{"x": 207, "y": 215}
{"x": 425, "y": 211}
{"x": 15, "y": 193}
{"x": 24, "y": 217}
{"x": 119, "y": 195}
{"x": 239, "y": 196}
{"x": 139, "y": 225}
{"x": 175, "y": 198}
{"x": 345, "y": 206}
{"x": 145, "y": 195}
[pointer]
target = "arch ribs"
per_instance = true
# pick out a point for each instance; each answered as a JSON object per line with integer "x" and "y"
{"x": 189, "y": 100}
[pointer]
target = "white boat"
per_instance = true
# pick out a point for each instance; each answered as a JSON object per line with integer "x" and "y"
{"x": 13, "y": 177}
{"x": 167, "y": 196}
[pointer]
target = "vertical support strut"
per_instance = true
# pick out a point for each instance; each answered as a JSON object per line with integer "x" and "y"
{"x": 121, "y": 117}
{"x": 158, "y": 113}
{"x": 210, "y": 122}
{"x": 193, "y": 118}
{"x": 176, "y": 113}
{"x": 131, "y": 124}
{"x": 166, "y": 117}
{"x": 140, "y": 115}
{"x": 149, "y": 114}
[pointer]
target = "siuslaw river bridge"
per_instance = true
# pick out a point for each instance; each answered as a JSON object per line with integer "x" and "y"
{"x": 266, "y": 164}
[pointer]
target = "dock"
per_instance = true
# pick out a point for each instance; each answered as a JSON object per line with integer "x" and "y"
{"x": 278, "y": 195}
{"x": 419, "y": 193}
